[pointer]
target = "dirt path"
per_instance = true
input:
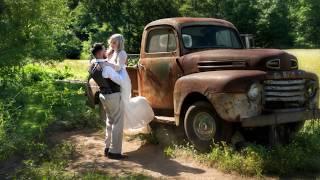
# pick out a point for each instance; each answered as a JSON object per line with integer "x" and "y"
{"x": 147, "y": 159}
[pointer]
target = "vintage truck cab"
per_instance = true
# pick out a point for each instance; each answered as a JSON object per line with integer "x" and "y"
{"x": 197, "y": 73}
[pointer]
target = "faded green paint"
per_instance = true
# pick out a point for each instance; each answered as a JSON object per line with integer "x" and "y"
{"x": 161, "y": 69}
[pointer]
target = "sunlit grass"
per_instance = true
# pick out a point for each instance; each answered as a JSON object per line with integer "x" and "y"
{"x": 309, "y": 59}
{"x": 78, "y": 68}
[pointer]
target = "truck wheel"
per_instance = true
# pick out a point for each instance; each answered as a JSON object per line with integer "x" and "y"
{"x": 203, "y": 127}
{"x": 102, "y": 112}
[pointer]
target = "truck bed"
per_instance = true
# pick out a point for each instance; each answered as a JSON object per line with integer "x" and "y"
{"x": 133, "y": 72}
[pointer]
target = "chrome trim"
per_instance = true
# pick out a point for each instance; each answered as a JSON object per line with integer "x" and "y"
{"x": 285, "y": 99}
{"x": 285, "y": 94}
{"x": 284, "y": 88}
{"x": 273, "y": 64}
{"x": 222, "y": 66}
{"x": 295, "y": 61}
{"x": 284, "y": 82}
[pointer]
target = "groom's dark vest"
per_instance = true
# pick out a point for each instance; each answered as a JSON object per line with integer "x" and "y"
{"x": 106, "y": 85}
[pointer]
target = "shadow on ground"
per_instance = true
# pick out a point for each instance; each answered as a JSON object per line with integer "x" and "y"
{"x": 143, "y": 157}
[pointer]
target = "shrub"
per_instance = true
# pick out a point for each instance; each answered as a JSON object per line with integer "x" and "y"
{"x": 32, "y": 101}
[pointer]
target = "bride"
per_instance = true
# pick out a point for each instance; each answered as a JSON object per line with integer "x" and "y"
{"x": 137, "y": 111}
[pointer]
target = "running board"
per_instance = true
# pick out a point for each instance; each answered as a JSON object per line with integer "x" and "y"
{"x": 164, "y": 120}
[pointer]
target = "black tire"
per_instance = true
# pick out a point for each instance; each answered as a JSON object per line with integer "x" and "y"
{"x": 203, "y": 127}
{"x": 102, "y": 112}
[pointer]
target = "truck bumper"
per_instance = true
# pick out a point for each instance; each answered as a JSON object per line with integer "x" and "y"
{"x": 280, "y": 118}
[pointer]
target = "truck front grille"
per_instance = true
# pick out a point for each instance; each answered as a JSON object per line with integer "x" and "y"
{"x": 284, "y": 94}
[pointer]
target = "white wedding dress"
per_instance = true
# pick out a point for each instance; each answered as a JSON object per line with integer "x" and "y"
{"x": 137, "y": 111}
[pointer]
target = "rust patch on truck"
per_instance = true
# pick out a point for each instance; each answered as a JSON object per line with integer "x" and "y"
{"x": 234, "y": 106}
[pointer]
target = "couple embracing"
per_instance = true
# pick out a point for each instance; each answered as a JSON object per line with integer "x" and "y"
{"x": 108, "y": 69}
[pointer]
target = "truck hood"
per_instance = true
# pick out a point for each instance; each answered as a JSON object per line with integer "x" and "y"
{"x": 226, "y": 59}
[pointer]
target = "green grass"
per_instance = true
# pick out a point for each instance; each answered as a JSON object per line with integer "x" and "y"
{"x": 302, "y": 156}
{"x": 77, "y": 68}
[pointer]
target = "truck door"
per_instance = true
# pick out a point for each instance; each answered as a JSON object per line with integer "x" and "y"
{"x": 158, "y": 68}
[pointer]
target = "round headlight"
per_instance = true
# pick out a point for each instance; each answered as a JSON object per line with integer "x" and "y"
{"x": 311, "y": 89}
{"x": 254, "y": 91}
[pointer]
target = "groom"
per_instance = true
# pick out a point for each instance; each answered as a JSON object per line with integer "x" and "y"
{"x": 108, "y": 81}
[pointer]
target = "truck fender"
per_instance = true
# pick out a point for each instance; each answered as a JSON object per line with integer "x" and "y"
{"x": 223, "y": 89}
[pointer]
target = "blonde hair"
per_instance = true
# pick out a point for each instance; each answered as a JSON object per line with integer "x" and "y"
{"x": 119, "y": 38}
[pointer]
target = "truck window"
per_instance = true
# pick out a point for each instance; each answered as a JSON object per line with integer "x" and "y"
{"x": 226, "y": 38}
{"x": 161, "y": 40}
{"x": 209, "y": 36}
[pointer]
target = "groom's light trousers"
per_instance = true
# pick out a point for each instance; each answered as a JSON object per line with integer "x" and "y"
{"x": 114, "y": 121}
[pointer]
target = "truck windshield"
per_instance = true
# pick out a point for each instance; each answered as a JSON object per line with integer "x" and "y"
{"x": 209, "y": 36}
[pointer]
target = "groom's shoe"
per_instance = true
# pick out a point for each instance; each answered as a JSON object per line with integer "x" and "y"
{"x": 106, "y": 152}
{"x": 116, "y": 156}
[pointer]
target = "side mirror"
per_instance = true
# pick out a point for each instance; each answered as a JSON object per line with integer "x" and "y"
{"x": 187, "y": 40}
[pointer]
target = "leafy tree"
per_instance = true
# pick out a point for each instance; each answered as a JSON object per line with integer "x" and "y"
{"x": 69, "y": 45}
{"x": 244, "y": 14}
{"x": 138, "y": 13}
{"x": 306, "y": 19}
{"x": 274, "y": 27}
{"x": 97, "y": 20}
{"x": 204, "y": 8}
{"x": 29, "y": 29}
{"x": 53, "y": 29}
{"x": 276, "y": 23}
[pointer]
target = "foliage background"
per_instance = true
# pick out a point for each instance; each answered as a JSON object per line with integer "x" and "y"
{"x": 55, "y": 29}
{"x": 276, "y": 23}
{"x": 30, "y": 29}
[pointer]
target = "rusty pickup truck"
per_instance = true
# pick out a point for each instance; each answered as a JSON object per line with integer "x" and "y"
{"x": 197, "y": 74}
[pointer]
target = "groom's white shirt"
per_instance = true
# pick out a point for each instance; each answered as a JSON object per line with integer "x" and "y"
{"x": 108, "y": 72}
